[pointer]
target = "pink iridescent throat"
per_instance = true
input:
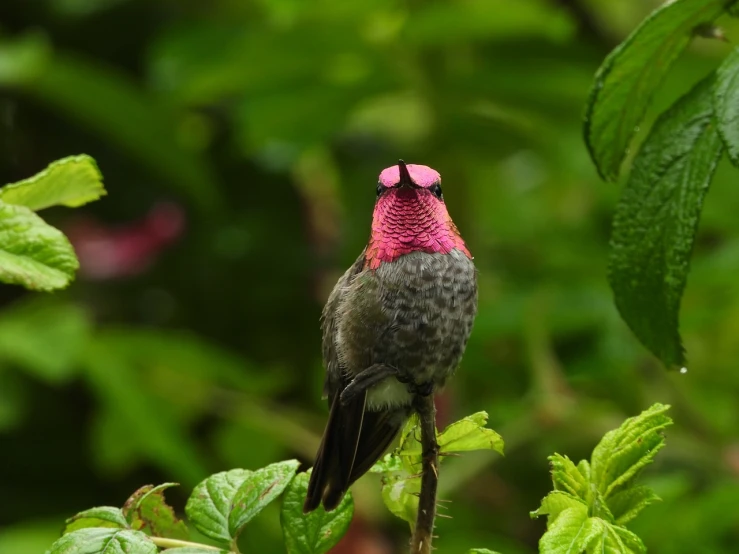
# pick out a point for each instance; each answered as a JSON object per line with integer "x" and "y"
{"x": 410, "y": 220}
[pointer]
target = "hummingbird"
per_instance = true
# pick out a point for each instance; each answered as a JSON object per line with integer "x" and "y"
{"x": 394, "y": 327}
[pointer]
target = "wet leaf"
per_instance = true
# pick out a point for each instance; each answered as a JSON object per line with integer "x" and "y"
{"x": 656, "y": 221}
{"x": 726, "y": 104}
{"x": 628, "y": 78}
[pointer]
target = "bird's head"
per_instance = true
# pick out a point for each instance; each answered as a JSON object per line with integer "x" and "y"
{"x": 410, "y": 215}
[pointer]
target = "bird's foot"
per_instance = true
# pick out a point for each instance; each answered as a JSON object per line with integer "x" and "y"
{"x": 416, "y": 389}
{"x": 366, "y": 379}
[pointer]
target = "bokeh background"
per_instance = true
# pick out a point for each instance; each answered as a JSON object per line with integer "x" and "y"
{"x": 240, "y": 142}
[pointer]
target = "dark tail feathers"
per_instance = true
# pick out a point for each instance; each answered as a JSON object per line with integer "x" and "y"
{"x": 353, "y": 441}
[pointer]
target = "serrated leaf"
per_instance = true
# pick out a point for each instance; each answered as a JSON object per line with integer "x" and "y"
{"x": 568, "y": 533}
{"x": 102, "y": 516}
{"x": 468, "y": 434}
{"x": 599, "y": 507}
{"x": 211, "y": 502}
{"x": 318, "y": 531}
{"x": 33, "y": 253}
{"x": 146, "y": 511}
{"x": 401, "y": 483}
{"x": 726, "y": 104}
{"x": 574, "y": 532}
{"x": 259, "y": 489}
{"x": 623, "y": 452}
{"x": 555, "y": 503}
{"x": 103, "y": 541}
{"x": 584, "y": 468}
{"x": 628, "y": 78}
{"x": 625, "y": 505}
{"x": 567, "y": 477}
{"x": 656, "y": 220}
{"x": 70, "y": 182}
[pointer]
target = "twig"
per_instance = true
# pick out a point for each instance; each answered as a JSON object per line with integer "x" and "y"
{"x": 163, "y": 542}
{"x": 422, "y": 535}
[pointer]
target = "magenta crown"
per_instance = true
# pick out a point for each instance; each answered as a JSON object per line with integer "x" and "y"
{"x": 421, "y": 175}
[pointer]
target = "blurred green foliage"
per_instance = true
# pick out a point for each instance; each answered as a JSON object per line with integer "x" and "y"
{"x": 266, "y": 122}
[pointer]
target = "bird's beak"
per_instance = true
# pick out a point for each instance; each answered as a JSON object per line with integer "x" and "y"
{"x": 405, "y": 177}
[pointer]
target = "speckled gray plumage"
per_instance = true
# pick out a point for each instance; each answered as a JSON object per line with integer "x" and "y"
{"x": 414, "y": 314}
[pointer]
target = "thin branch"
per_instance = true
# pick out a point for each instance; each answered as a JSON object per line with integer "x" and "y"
{"x": 422, "y": 535}
{"x": 163, "y": 542}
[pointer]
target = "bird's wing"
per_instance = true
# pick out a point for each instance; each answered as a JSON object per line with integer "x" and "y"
{"x": 335, "y": 457}
{"x": 336, "y": 378}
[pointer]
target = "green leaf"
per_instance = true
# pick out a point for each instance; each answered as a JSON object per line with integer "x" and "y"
{"x": 409, "y": 446}
{"x": 555, "y": 503}
{"x": 389, "y": 462}
{"x": 71, "y": 182}
{"x": 400, "y": 495}
{"x": 568, "y": 533}
{"x": 400, "y": 481}
{"x": 591, "y": 502}
{"x": 726, "y": 104}
{"x": 626, "y": 504}
{"x": 628, "y": 78}
{"x": 482, "y": 551}
{"x": 623, "y": 452}
{"x": 212, "y": 501}
{"x": 566, "y": 477}
{"x": 103, "y": 541}
{"x": 574, "y": 532}
{"x": 102, "y": 516}
{"x": 33, "y": 253}
{"x": 146, "y": 511}
{"x": 470, "y": 433}
{"x": 318, "y": 531}
{"x": 656, "y": 220}
{"x": 259, "y": 489}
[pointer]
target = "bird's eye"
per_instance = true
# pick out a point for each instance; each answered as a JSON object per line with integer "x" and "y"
{"x": 380, "y": 189}
{"x": 436, "y": 190}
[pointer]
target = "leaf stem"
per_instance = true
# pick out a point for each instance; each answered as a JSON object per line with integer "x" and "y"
{"x": 163, "y": 542}
{"x": 422, "y": 535}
